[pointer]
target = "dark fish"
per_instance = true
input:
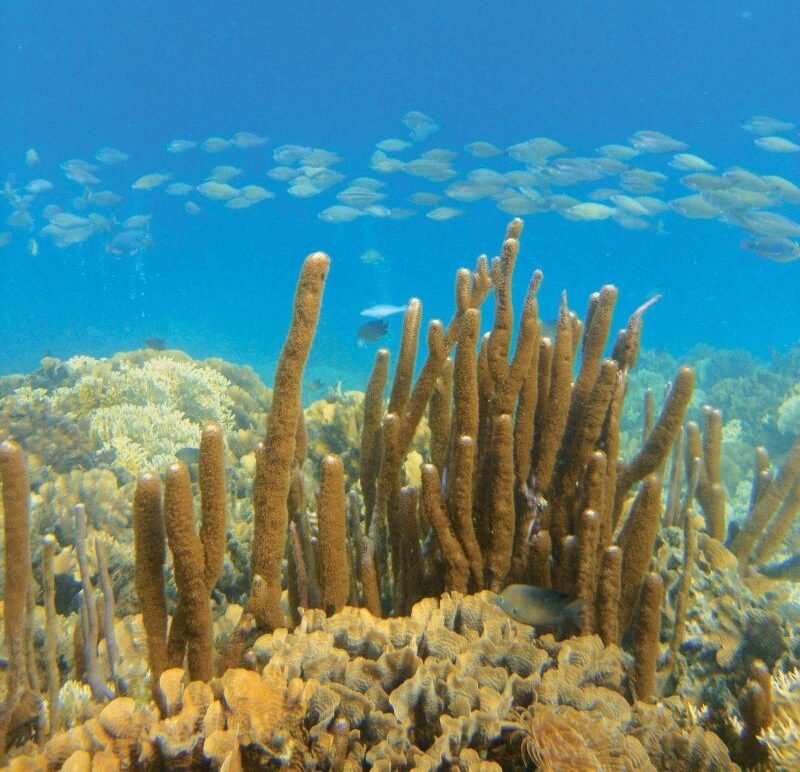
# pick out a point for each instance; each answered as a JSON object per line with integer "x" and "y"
{"x": 537, "y": 606}
{"x": 188, "y": 455}
{"x": 316, "y": 384}
{"x": 157, "y": 344}
{"x": 372, "y": 330}
{"x": 789, "y": 569}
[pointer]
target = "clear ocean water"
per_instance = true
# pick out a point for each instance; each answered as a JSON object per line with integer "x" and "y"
{"x": 78, "y": 76}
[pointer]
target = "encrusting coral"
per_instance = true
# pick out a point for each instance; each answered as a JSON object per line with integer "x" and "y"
{"x": 366, "y": 632}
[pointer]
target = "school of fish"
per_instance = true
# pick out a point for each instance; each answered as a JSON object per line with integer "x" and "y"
{"x": 73, "y": 205}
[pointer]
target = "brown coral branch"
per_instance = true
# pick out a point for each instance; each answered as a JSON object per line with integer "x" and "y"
{"x": 525, "y": 416}
{"x": 456, "y": 565}
{"x": 764, "y": 508}
{"x": 645, "y": 638}
{"x": 298, "y": 588}
{"x": 780, "y": 525}
{"x": 609, "y": 588}
{"x": 369, "y": 578}
{"x": 404, "y": 369}
{"x": 188, "y": 562}
{"x": 586, "y": 580}
{"x": 661, "y": 438}
{"x": 577, "y": 446}
{"x": 439, "y": 415}
{"x": 16, "y": 513}
{"x": 636, "y": 539}
{"x": 558, "y": 393}
{"x": 459, "y": 494}
{"x": 370, "y": 455}
{"x": 51, "y": 632}
{"x": 150, "y": 554}
{"x": 424, "y": 385}
{"x": 598, "y": 324}
{"x": 408, "y": 571}
{"x": 541, "y": 558}
{"x": 755, "y": 705}
{"x": 465, "y": 378}
{"x": 710, "y": 491}
{"x": 211, "y": 478}
{"x": 333, "y": 562}
{"x": 270, "y": 516}
{"x": 501, "y": 520}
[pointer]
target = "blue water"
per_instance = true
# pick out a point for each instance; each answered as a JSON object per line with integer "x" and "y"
{"x": 75, "y": 76}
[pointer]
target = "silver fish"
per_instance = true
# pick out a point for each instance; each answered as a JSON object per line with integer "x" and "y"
{"x": 181, "y": 145}
{"x": 781, "y": 250}
{"x": 382, "y": 310}
{"x": 765, "y": 124}
{"x": 110, "y": 156}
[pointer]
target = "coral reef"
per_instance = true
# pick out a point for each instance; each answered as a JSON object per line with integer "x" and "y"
{"x": 337, "y": 607}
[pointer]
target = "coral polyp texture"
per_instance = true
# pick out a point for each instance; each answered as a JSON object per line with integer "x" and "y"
{"x": 201, "y": 573}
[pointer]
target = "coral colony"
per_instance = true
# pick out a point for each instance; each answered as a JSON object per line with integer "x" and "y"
{"x": 354, "y": 587}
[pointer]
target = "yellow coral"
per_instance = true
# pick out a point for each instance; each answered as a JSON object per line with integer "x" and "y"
{"x": 143, "y": 438}
{"x": 143, "y": 413}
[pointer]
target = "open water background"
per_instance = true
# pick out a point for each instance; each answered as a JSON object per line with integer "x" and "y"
{"x": 75, "y": 76}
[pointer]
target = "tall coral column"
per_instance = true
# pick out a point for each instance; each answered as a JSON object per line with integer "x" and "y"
{"x": 273, "y": 480}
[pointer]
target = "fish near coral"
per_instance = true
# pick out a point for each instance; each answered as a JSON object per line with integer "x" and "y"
{"x": 155, "y": 343}
{"x": 369, "y": 332}
{"x": 538, "y": 606}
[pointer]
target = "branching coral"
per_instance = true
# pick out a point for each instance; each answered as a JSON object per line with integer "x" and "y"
{"x": 143, "y": 414}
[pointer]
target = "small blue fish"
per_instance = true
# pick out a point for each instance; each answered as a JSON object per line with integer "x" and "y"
{"x": 369, "y": 332}
{"x": 537, "y": 606}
